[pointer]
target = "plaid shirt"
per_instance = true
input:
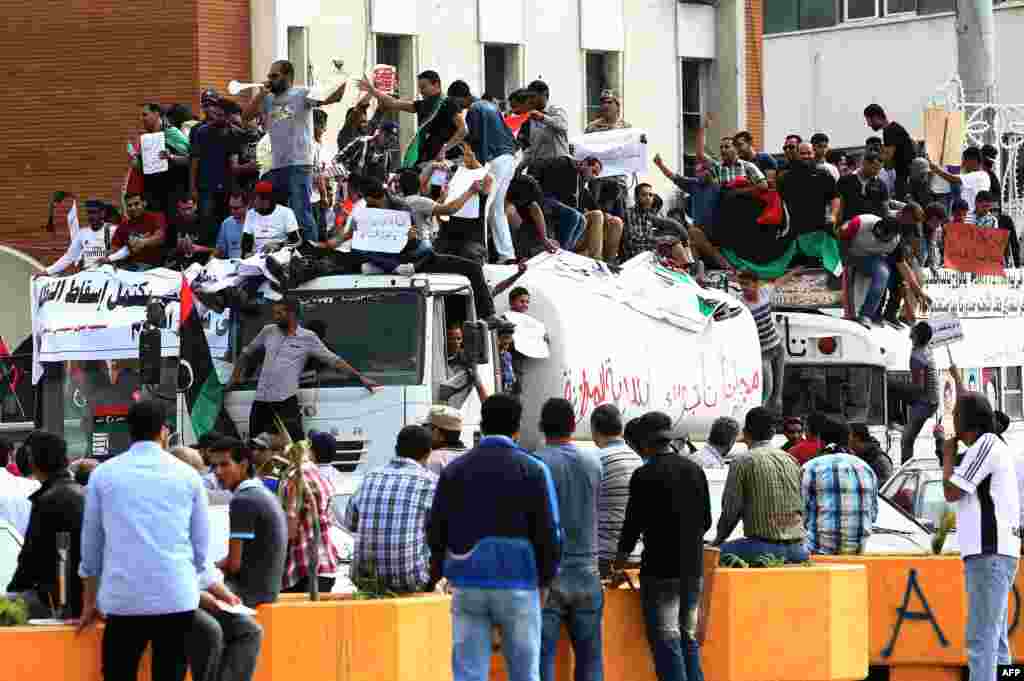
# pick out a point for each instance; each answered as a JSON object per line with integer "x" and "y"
{"x": 840, "y": 503}
{"x": 728, "y": 172}
{"x": 317, "y": 499}
{"x": 389, "y": 516}
{"x": 763, "y": 489}
{"x": 639, "y": 234}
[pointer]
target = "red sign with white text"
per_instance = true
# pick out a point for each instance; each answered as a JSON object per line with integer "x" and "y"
{"x": 970, "y": 248}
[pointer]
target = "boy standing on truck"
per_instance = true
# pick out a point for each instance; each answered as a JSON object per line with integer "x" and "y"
{"x": 758, "y": 297}
{"x": 924, "y": 379}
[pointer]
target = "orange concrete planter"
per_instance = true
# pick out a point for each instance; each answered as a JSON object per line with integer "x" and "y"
{"x": 398, "y": 639}
{"x": 756, "y": 615}
{"x": 922, "y": 648}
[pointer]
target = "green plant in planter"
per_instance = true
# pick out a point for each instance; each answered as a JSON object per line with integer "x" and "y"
{"x": 371, "y": 587}
{"x": 767, "y": 560}
{"x": 13, "y": 613}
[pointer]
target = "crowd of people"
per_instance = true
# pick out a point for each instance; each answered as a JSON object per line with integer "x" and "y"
{"x": 525, "y": 541}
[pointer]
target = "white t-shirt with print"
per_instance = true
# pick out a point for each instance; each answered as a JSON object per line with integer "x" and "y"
{"x": 267, "y": 228}
{"x": 88, "y": 246}
{"x": 988, "y": 515}
{"x": 971, "y": 184}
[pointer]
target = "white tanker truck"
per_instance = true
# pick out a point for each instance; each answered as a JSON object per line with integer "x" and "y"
{"x": 646, "y": 339}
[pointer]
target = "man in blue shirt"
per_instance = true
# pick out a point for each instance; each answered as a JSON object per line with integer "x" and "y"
{"x": 492, "y": 142}
{"x": 229, "y": 239}
{"x": 576, "y": 596}
{"x": 494, "y": 534}
{"x": 145, "y": 537}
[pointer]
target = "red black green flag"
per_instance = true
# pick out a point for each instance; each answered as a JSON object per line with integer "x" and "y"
{"x": 205, "y": 395}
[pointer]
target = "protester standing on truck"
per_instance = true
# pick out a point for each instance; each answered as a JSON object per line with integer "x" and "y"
{"x": 288, "y": 347}
{"x": 758, "y": 298}
{"x": 924, "y": 384}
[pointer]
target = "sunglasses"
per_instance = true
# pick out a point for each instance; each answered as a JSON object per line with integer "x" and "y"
{"x": 789, "y": 146}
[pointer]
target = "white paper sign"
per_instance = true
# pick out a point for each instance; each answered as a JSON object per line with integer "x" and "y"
{"x": 73, "y": 220}
{"x": 151, "y": 145}
{"x": 621, "y": 152}
{"x": 460, "y": 182}
{"x": 945, "y": 330}
{"x": 379, "y": 230}
{"x": 98, "y": 314}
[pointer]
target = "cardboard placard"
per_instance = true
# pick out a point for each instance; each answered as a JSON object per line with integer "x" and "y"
{"x": 945, "y": 330}
{"x": 970, "y": 248}
{"x": 378, "y": 230}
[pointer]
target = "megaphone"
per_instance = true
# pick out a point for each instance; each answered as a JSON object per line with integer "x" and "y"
{"x": 235, "y": 87}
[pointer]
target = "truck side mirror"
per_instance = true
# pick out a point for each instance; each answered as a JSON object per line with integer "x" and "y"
{"x": 474, "y": 342}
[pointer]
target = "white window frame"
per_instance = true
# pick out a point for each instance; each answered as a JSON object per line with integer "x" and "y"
{"x": 515, "y": 74}
{"x": 615, "y": 85}
{"x": 902, "y": 13}
{"x": 704, "y": 86}
{"x": 1018, "y": 391}
{"x": 846, "y": 13}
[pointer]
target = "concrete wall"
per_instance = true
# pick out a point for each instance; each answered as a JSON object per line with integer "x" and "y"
{"x": 447, "y": 39}
{"x": 823, "y": 79}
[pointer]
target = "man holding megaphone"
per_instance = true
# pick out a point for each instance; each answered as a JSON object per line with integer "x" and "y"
{"x": 289, "y": 121}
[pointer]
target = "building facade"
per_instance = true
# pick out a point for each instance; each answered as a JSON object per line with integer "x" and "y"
{"x": 671, "y": 62}
{"x": 825, "y": 60}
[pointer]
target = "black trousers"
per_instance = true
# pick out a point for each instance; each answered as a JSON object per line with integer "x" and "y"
{"x": 125, "y": 638}
{"x": 324, "y": 586}
{"x": 264, "y": 415}
{"x": 436, "y": 263}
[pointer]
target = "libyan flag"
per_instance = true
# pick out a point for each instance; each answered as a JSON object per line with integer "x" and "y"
{"x": 205, "y": 394}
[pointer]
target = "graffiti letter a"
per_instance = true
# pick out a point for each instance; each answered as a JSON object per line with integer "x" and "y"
{"x": 905, "y": 614}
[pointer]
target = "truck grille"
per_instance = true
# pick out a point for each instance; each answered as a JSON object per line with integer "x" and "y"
{"x": 348, "y": 454}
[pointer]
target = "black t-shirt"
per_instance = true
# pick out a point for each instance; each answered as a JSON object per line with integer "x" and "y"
{"x": 869, "y": 198}
{"x": 441, "y": 127}
{"x": 806, "y": 192}
{"x": 201, "y": 234}
{"x": 895, "y": 135}
{"x": 522, "y": 192}
{"x": 243, "y": 143}
{"x": 559, "y": 178}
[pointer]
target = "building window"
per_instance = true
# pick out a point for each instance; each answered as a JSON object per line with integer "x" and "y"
{"x": 400, "y": 51}
{"x": 501, "y": 72}
{"x": 781, "y": 16}
{"x": 857, "y": 10}
{"x": 935, "y": 6}
{"x": 694, "y": 88}
{"x": 298, "y": 54}
{"x": 603, "y": 73}
{"x": 1013, "y": 398}
{"x": 900, "y": 6}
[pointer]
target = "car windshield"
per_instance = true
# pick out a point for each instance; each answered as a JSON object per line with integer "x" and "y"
{"x": 850, "y": 393}
{"x": 377, "y": 332}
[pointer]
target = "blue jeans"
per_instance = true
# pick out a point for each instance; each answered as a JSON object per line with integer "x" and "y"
{"x": 670, "y": 616}
{"x": 877, "y": 268}
{"x": 919, "y": 413}
{"x": 475, "y": 612}
{"x": 989, "y": 579}
{"x": 569, "y": 222}
{"x": 578, "y": 600}
{"x": 751, "y": 550}
{"x": 296, "y": 182}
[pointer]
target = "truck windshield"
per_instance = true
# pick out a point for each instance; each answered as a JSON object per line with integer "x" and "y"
{"x": 377, "y": 332}
{"x": 852, "y": 393}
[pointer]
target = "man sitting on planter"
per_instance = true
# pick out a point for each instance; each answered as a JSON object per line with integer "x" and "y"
{"x": 763, "y": 489}
{"x": 388, "y": 515}
{"x": 840, "y": 503}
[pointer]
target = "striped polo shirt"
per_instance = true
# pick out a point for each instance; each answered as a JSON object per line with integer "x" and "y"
{"x": 761, "y": 309}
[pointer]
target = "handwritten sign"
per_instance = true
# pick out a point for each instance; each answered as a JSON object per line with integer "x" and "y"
{"x": 385, "y": 78}
{"x": 378, "y": 230}
{"x": 73, "y": 220}
{"x": 621, "y": 152}
{"x": 945, "y": 330}
{"x": 975, "y": 249}
{"x": 151, "y": 145}
{"x": 98, "y": 314}
{"x": 460, "y": 182}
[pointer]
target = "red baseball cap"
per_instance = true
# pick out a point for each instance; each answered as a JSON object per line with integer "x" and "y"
{"x": 264, "y": 187}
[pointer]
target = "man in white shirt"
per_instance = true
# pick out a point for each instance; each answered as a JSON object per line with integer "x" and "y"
{"x": 15, "y": 507}
{"x": 984, "y": 488}
{"x": 268, "y": 223}
{"x": 972, "y": 179}
{"x": 90, "y": 244}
